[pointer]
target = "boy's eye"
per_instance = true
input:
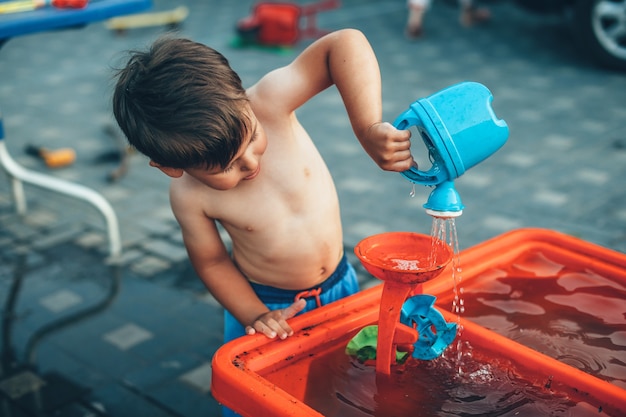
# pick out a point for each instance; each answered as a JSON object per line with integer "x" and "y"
{"x": 231, "y": 167}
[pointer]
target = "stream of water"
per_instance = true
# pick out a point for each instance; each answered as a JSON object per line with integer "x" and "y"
{"x": 444, "y": 229}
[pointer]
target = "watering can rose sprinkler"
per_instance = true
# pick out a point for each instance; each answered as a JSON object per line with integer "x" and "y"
{"x": 460, "y": 130}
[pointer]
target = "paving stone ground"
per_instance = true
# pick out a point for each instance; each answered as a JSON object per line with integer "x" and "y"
{"x": 136, "y": 339}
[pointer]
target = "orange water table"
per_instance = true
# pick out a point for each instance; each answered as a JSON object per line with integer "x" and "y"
{"x": 256, "y": 376}
{"x": 50, "y": 18}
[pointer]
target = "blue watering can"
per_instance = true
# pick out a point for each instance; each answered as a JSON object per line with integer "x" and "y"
{"x": 460, "y": 130}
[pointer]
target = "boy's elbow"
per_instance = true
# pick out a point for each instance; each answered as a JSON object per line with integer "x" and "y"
{"x": 350, "y": 34}
{"x": 352, "y": 31}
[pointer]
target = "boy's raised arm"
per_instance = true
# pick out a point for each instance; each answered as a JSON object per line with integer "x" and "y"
{"x": 346, "y": 59}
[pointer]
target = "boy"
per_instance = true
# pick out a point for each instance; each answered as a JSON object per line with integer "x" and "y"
{"x": 241, "y": 158}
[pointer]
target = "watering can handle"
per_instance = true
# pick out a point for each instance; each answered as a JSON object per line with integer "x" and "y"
{"x": 432, "y": 176}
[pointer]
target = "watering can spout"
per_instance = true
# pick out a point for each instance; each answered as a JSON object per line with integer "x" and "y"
{"x": 444, "y": 201}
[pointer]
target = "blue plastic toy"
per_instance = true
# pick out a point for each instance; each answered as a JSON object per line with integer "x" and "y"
{"x": 460, "y": 130}
{"x": 420, "y": 310}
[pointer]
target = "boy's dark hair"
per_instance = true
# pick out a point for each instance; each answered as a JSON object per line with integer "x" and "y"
{"x": 181, "y": 104}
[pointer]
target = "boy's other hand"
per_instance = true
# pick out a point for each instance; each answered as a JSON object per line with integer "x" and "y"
{"x": 274, "y": 323}
{"x": 389, "y": 147}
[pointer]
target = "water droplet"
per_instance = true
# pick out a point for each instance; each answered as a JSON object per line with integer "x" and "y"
{"x": 412, "y": 193}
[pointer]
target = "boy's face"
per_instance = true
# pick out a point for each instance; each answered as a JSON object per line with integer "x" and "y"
{"x": 245, "y": 166}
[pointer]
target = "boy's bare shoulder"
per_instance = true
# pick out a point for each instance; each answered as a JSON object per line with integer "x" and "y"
{"x": 270, "y": 99}
{"x": 259, "y": 104}
{"x": 191, "y": 197}
{"x": 188, "y": 194}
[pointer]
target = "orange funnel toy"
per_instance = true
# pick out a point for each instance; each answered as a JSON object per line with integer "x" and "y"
{"x": 403, "y": 260}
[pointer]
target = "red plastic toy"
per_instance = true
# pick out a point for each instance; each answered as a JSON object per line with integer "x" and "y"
{"x": 69, "y": 4}
{"x": 278, "y": 23}
{"x": 28, "y": 5}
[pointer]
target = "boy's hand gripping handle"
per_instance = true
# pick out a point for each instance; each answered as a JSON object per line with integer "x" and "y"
{"x": 435, "y": 175}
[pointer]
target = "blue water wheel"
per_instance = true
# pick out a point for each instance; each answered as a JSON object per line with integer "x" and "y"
{"x": 435, "y": 334}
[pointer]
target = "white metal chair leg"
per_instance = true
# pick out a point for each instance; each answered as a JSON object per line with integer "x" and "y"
{"x": 19, "y": 174}
{"x": 18, "y": 195}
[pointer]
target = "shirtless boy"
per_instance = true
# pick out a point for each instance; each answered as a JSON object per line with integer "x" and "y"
{"x": 239, "y": 157}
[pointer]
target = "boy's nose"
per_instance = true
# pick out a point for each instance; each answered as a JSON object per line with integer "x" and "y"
{"x": 249, "y": 162}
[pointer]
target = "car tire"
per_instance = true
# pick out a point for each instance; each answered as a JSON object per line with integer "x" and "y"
{"x": 600, "y": 26}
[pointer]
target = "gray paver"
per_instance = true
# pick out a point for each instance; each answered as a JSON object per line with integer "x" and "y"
{"x": 563, "y": 168}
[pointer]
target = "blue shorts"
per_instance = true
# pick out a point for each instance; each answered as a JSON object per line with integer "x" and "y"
{"x": 340, "y": 284}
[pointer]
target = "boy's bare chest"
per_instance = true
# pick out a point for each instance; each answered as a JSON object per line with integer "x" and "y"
{"x": 293, "y": 186}
{"x": 289, "y": 191}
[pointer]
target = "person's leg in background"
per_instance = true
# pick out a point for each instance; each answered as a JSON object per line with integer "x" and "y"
{"x": 414, "y": 25}
{"x": 471, "y": 14}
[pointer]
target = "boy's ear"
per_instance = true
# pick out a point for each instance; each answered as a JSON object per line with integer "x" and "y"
{"x": 170, "y": 172}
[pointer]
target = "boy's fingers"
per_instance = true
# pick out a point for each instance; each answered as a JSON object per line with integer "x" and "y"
{"x": 293, "y": 309}
{"x": 278, "y": 328}
{"x": 265, "y": 329}
{"x": 261, "y": 327}
{"x": 277, "y": 325}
